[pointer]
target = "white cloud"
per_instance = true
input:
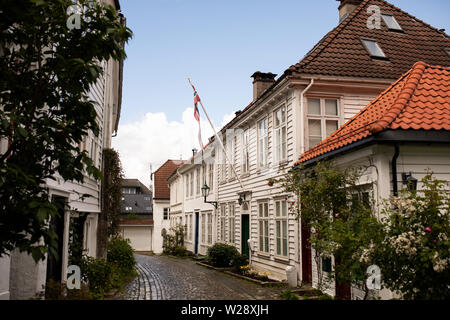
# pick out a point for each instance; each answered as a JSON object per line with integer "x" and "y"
{"x": 154, "y": 140}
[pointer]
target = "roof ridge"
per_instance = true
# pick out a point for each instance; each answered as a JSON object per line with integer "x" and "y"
{"x": 403, "y": 98}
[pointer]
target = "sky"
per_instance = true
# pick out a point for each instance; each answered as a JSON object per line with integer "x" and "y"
{"x": 219, "y": 44}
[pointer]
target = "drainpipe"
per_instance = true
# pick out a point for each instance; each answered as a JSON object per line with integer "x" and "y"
{"x": 394, "y": 170}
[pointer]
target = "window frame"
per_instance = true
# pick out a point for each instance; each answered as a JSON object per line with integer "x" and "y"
{"x": 374, "y": 56}
{"x": 278, "y": 143}
{"x": 245, "y": 165}
{"x": 209, "y": 227}
{"x": 223, "y": 208}
{"x": 166, "y": 213}
{"x": 231, "y": 223}
{"x": 385, "y": 15}
{"x": 284, "y": 234}
{"x": 323, "y": 118}
{"x": 265, "y": 142}
{"x": 198, "y": 180}
{"x": 263, "y": 227}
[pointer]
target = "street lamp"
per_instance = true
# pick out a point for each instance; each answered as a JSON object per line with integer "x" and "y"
{"x": 205, "y": 194}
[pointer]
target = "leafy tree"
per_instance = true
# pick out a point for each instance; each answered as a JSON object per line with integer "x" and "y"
{"x": 414, "y": 255}
{"x": 339, "y": 214}
{"x": 46, "y": 71}
{"x": 108, "y": 221}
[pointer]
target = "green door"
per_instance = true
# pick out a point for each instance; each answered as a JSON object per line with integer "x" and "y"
{"x": 245, "y": 234}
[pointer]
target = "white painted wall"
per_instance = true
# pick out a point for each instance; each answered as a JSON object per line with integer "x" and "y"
{"x": 5, "y": 265}
{"x": 159, "y": 224}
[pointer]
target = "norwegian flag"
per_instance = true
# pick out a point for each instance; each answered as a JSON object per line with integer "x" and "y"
{"x": 197, "y": 116}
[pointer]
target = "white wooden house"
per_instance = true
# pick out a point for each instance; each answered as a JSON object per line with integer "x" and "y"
{"x": 403, "y": 134}
{"x": 346, "y": 70}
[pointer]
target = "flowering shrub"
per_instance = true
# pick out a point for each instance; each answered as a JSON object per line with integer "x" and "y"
{"x": 414, "y": 254}
{"x": 252, "y": 273}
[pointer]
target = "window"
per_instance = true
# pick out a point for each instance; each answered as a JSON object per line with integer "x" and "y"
{"x": 391, "y": 22}
{"x": 323, "y": 119}
{"x": 222, "y": 222}
{"x": 198, "y": 181}
{"x": 245, "y": 155}
{"x": 203, "y": 224}
{"x": 263, "y": 142}
{"x": 186, "y": 179}
{"x": 223, "y": 163}
{"x": 447, "y": 51}
{"x": 166, "y": 213}
{"x": 232, "y": 155}
{"x": 211, "y": 176}
{"x": 189, "y": 227}
{"x": 128, "y": 208}
{"x": 281, "y": 223}
{"x": 147, "y": 199}
{"x": 263, "y": 229}
{"x": 129, "y": 190}
{"x": 280, "y": 134}
{"x": 373, "y": 48}
{"x": 209, "y": 228}
{"x": 231, "y": 223}
{"x": 191, "y": 184}
{"x": 148, "y": 208}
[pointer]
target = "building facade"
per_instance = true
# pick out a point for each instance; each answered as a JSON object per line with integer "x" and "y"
{"x": 21, "y": 277}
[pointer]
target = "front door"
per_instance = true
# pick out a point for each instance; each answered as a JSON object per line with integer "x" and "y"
{"x": 54, "y": 260}
{"x": 196, "y": 232}
{"x": 306, "y": 256}
{"x": 245, "y": 232}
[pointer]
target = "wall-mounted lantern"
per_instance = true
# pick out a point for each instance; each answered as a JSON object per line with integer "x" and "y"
{"x": 409, "y": 181}
{"x": 205, "y": 194}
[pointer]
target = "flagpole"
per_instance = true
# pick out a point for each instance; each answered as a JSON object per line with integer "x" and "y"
{"x": 217, "y": 138}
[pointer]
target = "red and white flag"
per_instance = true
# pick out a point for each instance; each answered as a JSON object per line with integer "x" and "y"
{"x": 197, "y": 116}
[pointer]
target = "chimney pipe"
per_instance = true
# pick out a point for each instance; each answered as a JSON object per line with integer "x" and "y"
{"x": 347, "y": 7}
{"x": 261, "y": 82}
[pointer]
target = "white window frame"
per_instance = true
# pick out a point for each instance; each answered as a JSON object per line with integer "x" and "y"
{"x": 279, "y": 153}
{"x": 263, "y": 227}
{"x": 281, "y": 232}
{"x": 245, "y": 166}
{"x": 203, "y": 227}
{"x": 211, "y": 176}
{"x": 223, "y": 219}
{"x": 198, "y": 180}
{"x": 323, "y": 118}
{"x": 263, "y": 143}
{"x": 209, "y": 228}
{"x": 231, "y": 222}
{"x": 191, "y": 184}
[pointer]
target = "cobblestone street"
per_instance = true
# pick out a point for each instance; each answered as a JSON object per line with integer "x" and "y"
{"x": 168, "y": 278}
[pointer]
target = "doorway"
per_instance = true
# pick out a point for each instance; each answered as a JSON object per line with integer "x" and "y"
{"x": 245, "y": 232}
{"x": 54, "y": 258}
{"x": 306, "y": 255}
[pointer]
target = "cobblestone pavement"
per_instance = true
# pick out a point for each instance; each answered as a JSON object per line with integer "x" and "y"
{"x": 169, "y": 278}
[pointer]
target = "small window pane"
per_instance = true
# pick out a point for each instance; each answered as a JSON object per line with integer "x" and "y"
{"x": 284, "y": 238}
{"x": 331, "y": 107}
{"x": 314, "y": 106}
{"x": 332, "y": 126}
{"x": 314, "y": 128}
{"x": 284, "y": 209}
{"x": 448, "y": 51}
{"x": 391, "y": 22}
{"x": 277, "y": 118}
{"x": 277, "y": 205}
{"x": 283, "y": 115}
{"x": 374, "y": 49}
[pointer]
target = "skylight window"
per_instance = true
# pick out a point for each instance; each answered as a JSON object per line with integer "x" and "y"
{"x": 374, "y": 49}
{"x": 448, "y": 51}
{"x": 391, "y": 22}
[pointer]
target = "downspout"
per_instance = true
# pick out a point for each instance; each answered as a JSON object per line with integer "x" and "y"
{"x": 394, "y": 170}
{"x": 302, "y": 149}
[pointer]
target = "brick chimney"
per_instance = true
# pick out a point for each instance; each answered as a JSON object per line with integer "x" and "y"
{"x": 261, "y": 81}
{"x": 347, "y": 7}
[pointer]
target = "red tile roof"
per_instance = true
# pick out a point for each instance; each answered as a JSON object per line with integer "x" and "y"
{"x": 162, "y": 191}
{"x": 342, "y": 53}
{"x": 419, "y": 100}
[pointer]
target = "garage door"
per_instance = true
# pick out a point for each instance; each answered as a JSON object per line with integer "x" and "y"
{"x": 140, "y": 237}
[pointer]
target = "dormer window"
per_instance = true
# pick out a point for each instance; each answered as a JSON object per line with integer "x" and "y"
{"x": 391, "y": 22}
{"x": 374, "y": 49}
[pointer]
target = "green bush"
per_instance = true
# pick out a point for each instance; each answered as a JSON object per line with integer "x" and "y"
{"x": 288, "y": 295}
{"x": 179, "y": 251}
{"x": 120, "y": 253}
{"x": 222, "y": 255}
{"x": 99, "y": 275}
{"x": 239, "y": 261}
